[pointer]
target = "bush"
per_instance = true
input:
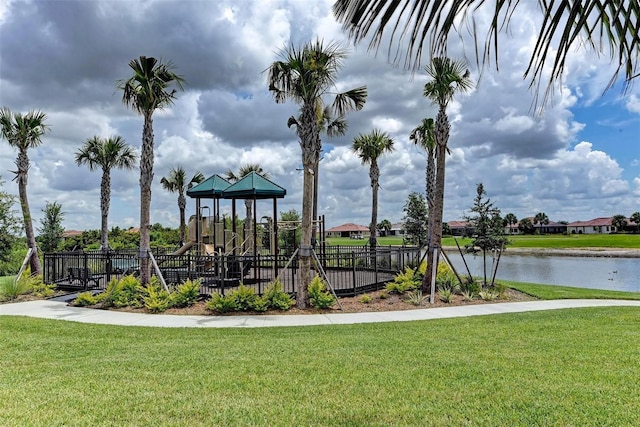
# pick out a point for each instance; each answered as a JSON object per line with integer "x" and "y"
{"x": 124, "y": 292}
{"x": 319, "y": 297}
{"x": 415, "y": 297}
{"x": 11, "y": 289}
{"x": 409, "y": 280}
{"x": 221, "y": 304}
{"x": 488, "y": 294}
{"x": 156, "y": 299}
{"x": 446, "y": 295}
{"x": 186, "y": 294}
{"x": 42, "y": 290}
{"x": 365, "y": 299}
{"x": 446, "y": 277}
{"x": 85, "y": 299}
{"x": 276, "y": 297}
{"x": 244, "y": 298}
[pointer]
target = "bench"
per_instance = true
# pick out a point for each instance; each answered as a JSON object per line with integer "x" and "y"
{"x": 84, "y": 276}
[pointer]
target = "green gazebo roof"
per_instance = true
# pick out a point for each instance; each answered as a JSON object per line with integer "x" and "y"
{"x": 210, "y": 188}
{"x": 252, "y": 186}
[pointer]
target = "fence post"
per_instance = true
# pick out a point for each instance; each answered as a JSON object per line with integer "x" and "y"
{"x": 353, "y": 267}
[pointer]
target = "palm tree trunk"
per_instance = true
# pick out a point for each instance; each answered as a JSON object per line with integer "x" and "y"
{"x": 374, "y": 174}
{"x": 247, "y": 223}
{"x": 310, "y": 151}
{"x": 105, "y": 197}
{"x": 435, "y": 229}
{"x": 146, "y": 178}
{"x": 182, "y": 206}
{"x": 23, "y": 167}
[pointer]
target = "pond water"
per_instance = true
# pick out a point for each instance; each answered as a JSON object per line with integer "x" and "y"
{"x": 618, "y": 274}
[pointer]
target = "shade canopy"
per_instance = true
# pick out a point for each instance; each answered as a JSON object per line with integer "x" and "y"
{"x": 210, "y": 188}
{"x": 254, "y": 186}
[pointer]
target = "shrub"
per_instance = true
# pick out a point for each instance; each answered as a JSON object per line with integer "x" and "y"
{"x": 221, "y": 304}
{"x": 156, "y": 299}
{"x": 415, "y": 297}
{"x": 42, "y": 290}
{"x": 365, "y": 299}
{"x": 319, "y": 297}
{"x": 186, "y": 294}
{"x": 11, "y": 289}
{"x": 405, "y": 281}
{"x": 446, "y": 277}
{"x": 468, "y": 296}
{"x": 244, "y": 298}
{"x": 500, "y": 289}
{"x": 470, "y": 287}
{"x": 261, "y": 304}
{"x": 124, "y": 292}
{"x": 276, "y": 297}
{"x": 85, "y": 299}
{"x": 488, "y": 294}
{"x": 446, "y": 295}
{"x": 383, "y": 295}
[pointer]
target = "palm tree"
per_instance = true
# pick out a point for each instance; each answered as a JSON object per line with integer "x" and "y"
{"x": 602, "y": 26}
{"x": 24, "y": 132}
{"x": 369, "y": 147}
{"x": 423, "y": 136}
{"x": 385, "y": 226}
{"x": 106, "y": 154}
{"x": 510, "y": 220}
{"x": 146, "y": 91}
{"x": 305, "y": 75}
{"x": 447, "y": 78}
{"x": 177, "y": 182}
{"x": 619, "y": 222}
{"x": 245, "y": 170}
{"x": 332, "y": 126}
{"x": 635, "y": 217}
{"x": 542, "y": 219}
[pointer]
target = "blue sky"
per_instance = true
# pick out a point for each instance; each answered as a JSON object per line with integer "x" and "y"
{"x": 578, "y": 160}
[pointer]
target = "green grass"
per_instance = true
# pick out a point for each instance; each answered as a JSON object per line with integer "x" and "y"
{"x": 550, "y": 292}
{"x": 559, "y": 241}
{"x": 563, "y": 367}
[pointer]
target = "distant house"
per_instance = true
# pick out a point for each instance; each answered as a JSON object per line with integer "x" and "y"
{"x": 71, "y": 233}
{"x": 551, "y": 228}
{"x": 459, "y": 228}
{"x": 594, "y": 226}
{"x": 351, "y": 230}
{"x": 397, "y": 229}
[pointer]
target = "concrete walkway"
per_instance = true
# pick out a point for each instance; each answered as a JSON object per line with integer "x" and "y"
{"x": 58, "y": 310}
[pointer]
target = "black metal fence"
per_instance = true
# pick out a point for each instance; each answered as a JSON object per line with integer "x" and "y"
{"x": 350, "y": 270}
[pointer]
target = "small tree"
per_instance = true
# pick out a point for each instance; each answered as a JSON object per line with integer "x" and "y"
{"x": 525, "y": 226}
{"x": 9, "y": 224}
{"x": 488, "y": 230}
{"x": 384, "y": 227}
{"x": 415, "y": 219}
{"x": 288, "y": 236}
{"x": 619, "y": 222}
{"x": 52, "y": 230}
{"x": 542, "y": 219}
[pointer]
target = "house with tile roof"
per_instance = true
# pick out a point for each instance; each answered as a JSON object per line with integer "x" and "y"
{"x": 350, "y": 229}
{"x": 594, "y": 226}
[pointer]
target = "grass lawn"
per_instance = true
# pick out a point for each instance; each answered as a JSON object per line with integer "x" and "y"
{"x": 544, "y": 241}
{"x": 562, "y": 367}
{"x": 550, "y": 292}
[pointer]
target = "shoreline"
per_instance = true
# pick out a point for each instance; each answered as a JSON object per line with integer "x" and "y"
{"x": 575, "y": 252}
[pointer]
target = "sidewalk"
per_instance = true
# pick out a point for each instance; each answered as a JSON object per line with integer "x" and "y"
{"x": 57, "y": 310}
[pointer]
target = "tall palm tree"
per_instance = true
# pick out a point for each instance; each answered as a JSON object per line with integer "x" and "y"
{"x": 305, "y": 75}
{"x": 542, "y": 219}
{"x": 510, "y": 220}
{"x": 332, "y": 126}
{"x": 369, "y": 147}
{"x": 423, "y": 136}
{"x": 24, "y": 131}
{"x": 106, "y": 154}
{"x": 177, "y": 182}
{"x": 145, "y": 92}
{"x": 447, "y": 78}
{"x": 608, "y": 26}
{"x": 245, "y": 170}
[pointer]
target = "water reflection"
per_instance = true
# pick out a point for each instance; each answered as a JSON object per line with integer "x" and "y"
{"x": 620, "y": 274}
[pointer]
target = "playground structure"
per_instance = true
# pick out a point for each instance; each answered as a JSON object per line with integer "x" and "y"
{"x": 223, "y": 257}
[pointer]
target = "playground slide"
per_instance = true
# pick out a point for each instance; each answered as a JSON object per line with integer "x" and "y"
{"x": 184, "y": 248}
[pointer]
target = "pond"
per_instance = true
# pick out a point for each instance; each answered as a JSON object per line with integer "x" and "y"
{"x": 618, "y": 274}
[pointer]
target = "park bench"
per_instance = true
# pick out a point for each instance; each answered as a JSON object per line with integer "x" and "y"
{"x": 84, "y": 276}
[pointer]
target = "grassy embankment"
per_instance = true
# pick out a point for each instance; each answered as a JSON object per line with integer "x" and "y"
{"x": 561, "y": 367}
{"x": 558, "y": 241}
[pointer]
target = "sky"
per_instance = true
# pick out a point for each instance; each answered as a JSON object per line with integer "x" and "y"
{"x": 577, "y": 160}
